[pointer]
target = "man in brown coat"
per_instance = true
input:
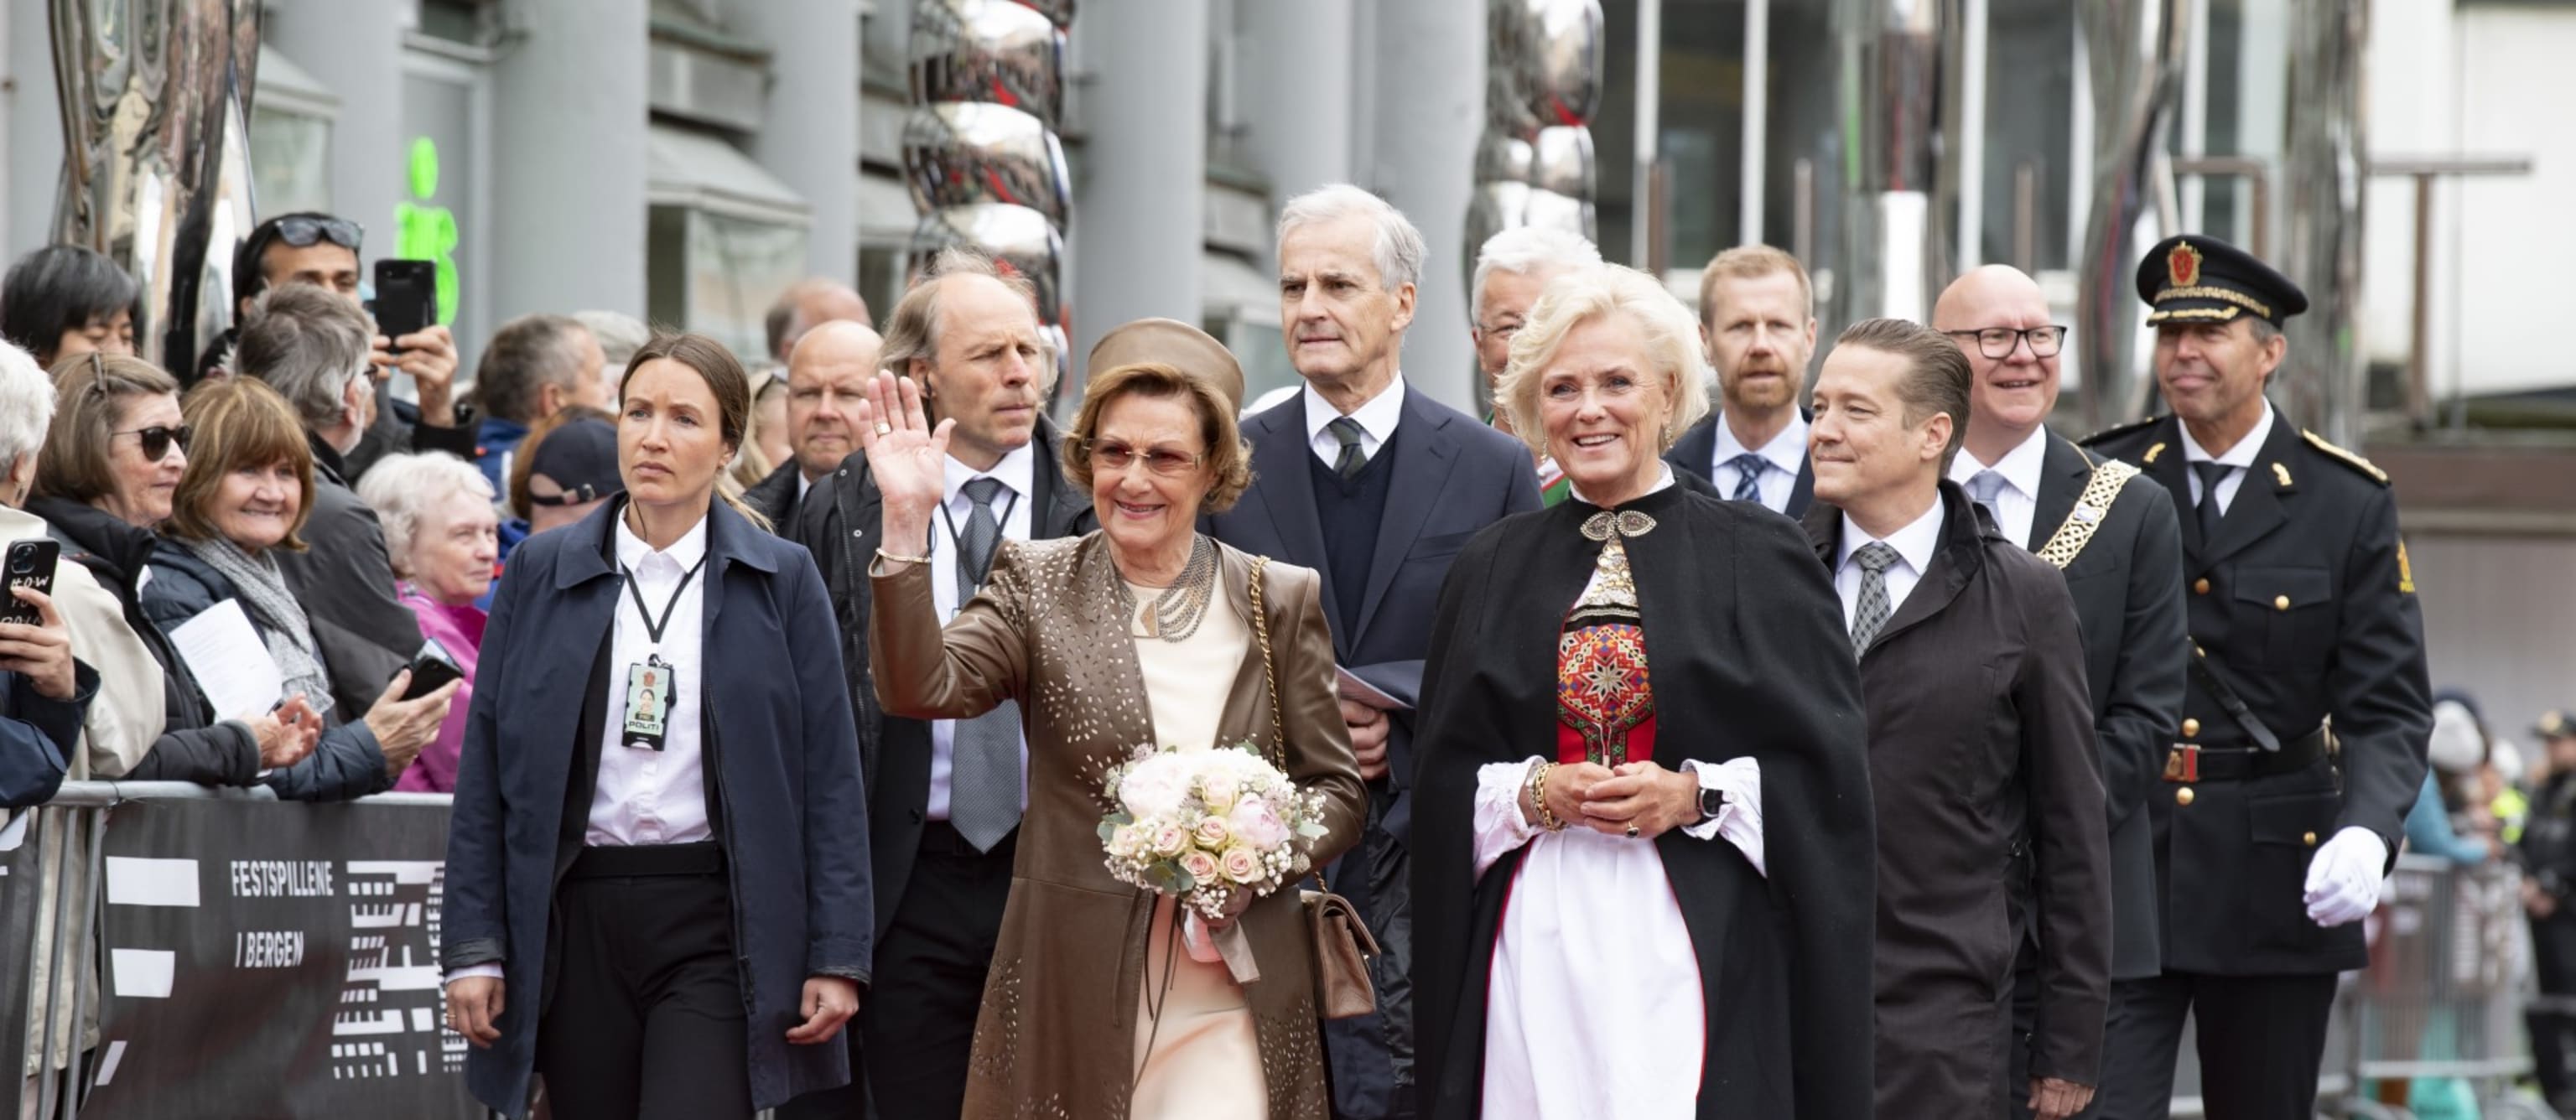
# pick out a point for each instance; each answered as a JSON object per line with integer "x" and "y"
{"x": 1980, "y": 739}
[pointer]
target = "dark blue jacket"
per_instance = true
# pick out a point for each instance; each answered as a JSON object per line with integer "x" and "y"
{"x": 36, "y": 734}
{"x": 794, "y": 814}
{"x": 347, "y": 763}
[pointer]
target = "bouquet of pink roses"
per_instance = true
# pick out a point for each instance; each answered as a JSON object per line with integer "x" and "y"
{"x": 1214, "y": 829}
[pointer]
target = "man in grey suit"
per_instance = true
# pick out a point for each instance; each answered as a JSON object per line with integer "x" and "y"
{"x": 2112, "y": 531}
{"x": 1368, "y": 481}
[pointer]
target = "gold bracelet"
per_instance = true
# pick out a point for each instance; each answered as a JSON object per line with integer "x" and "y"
{"x": 893, "y": 558}
{"x": 1547, "y": 819}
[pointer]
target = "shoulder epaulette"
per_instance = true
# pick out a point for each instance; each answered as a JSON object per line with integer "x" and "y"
{"x": 2120, "y": 430}
{"x": 2349, "y": 459}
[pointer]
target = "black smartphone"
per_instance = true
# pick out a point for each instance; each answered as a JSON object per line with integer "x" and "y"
{"x": 431, "y": 670}
{"x": 30, "y": 564}
{"x": 406, "y": 296}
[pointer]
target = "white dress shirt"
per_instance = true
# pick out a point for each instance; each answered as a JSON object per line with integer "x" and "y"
{"x": 1377, "y": 420}
{"x": 655, "y": 797}
{"x": 2241, "y": 457}
{"x": 1914, "y": 545}
{"x": 1013, "y": 504}
{"x": 2017, "y": 504}
{"x": 1783, "y": 457}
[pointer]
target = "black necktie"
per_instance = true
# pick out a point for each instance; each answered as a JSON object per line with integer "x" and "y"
{"x": 2211, "y": 474}
{"x": 1351, "y": 459}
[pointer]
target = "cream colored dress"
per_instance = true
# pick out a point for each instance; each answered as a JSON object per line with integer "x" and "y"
{"x": 1199, "y": 1058}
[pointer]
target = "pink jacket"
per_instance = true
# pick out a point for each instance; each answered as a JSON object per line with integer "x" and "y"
{"x": 460, "y": 631}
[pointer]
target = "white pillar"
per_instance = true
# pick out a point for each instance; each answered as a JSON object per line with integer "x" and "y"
{"x": 809, "y": 135}
{"x": 354, "y": 48}
{"x": 1429, "y": 108}
{"x": 1300, "y": 91}
{"x": 1139, "y": 211}
{"x": 568, "y": 159}
{"x": 32, "y": 132}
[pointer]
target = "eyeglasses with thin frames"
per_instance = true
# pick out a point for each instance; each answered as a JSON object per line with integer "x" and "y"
{"x": 1115, "y": 457}
{"x": 1998, "y": 342}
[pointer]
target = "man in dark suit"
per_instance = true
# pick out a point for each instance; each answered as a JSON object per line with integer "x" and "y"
{"x": 2113, "y": 534}
{"x": 826, "y": 373}
{"x": 1981, "y": 740}
{"x": 1757, "y": 322}
{"x": 2278, "y": 829}
{"x": 944, "y": 797}
{"x": 1378, "y": 487}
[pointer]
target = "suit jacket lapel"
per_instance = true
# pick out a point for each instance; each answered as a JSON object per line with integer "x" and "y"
{"x": 2162, "y": 461}
{"x": 1691, "y": 453}
{"x": 1279, "y": 453}
{"x": 1059, "y": 505}
{"x": 1804, "y": 493}
{"x": 1953, "y": 564}
{"x": 2063, "y": 473}
{"x": 1423, "y": 461}
{"x": 2256, "y": 509}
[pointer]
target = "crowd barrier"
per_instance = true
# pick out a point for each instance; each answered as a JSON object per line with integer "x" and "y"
{"x": 239, "y": 956}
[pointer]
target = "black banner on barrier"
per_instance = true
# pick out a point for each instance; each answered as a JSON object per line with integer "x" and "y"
{"x": 19, "y": 883}
{"x": 274, "y": 960}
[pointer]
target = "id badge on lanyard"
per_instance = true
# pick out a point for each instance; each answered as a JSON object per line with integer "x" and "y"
{"x": 652, "y": 685}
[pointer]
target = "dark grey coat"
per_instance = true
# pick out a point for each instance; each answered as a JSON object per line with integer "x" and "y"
{"x": 345, "y": 580}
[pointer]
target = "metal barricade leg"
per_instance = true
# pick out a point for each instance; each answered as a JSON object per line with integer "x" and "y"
{"x": 59, "y": 858}
{"x": 85, "y": 959}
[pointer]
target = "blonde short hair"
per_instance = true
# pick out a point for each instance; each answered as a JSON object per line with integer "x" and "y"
{"x": 1664, "y": 327}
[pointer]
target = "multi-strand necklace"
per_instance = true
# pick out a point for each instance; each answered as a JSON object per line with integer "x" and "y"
{"x": 1175, "y": 614}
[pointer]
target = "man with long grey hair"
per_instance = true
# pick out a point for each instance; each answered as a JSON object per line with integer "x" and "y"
{"x": 1377, "y": 487}
{"x": 311, "y": 346}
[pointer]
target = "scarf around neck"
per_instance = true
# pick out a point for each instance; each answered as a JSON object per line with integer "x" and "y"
{"x": 261, "y": 586}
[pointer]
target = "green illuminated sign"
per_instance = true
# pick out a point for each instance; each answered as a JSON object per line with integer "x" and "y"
{"x": 424, "y": 232}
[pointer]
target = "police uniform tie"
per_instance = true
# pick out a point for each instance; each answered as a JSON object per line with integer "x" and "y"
{"x": 1748, "y": 477}
{"x": 1351, "y": 459}
{"x": 2211, "y": 474}
{"x": 1984, "y": 486}
{"x": 1870, "y": 613}
{"x": 984, "y": 763}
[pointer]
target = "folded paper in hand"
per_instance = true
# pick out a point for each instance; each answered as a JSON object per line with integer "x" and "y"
{"x": 1357, "y": 689}
{"x": 232, "y": 665}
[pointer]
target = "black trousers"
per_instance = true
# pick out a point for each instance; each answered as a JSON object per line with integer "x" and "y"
{"x": 2025, "y": 1023}
{"x": 917, "y": 1024}
{"x": 2553, "y": 1031}
{"x": 2261, "y": 1041}
{"x": 646, "y": 1020}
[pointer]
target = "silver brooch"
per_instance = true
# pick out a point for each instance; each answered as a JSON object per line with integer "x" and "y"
{"x": 1626, "y": 523}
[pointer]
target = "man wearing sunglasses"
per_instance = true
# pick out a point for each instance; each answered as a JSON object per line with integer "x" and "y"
{"x": 323, "y": 250}
{"x": 2113, "y": 533}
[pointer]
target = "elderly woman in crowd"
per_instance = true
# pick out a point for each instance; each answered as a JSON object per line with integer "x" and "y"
{"x": 1643, "y": 806}
{"x": 113, "y": 460}
{"x": 63, "y": 300}
{"x": 444, "y": 538}
{"x": 1141, "y": 632}
{"x": 242, "y": 500}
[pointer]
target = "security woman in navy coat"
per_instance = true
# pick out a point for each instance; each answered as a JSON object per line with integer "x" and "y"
{"x": 662, "y": 908}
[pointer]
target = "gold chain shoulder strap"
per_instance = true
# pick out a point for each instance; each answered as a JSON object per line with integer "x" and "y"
{"x": 1269, "y": 667}
{"x": 2092, "y": 507}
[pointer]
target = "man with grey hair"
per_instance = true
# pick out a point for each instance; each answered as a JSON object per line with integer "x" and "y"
{"x": 533, "y": 367}
{"x": 1377, "y": 487}
{"x": 311, "y": 346}
{"x": 1512, "y": 268}
{"x": 944, "y": 796}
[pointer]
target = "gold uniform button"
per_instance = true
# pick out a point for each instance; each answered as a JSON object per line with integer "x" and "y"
{"x": 2190, "y": 727}
{"x": 2280, "y": 602}
{"x": 2309, "y": 839}
{"x": 2200, "y": 586}
{"x": 2182, "y": 796}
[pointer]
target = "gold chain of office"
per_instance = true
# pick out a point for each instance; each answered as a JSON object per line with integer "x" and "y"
{"x": 2092, "y": 508}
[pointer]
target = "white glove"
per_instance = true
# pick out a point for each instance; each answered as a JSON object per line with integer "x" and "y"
{"x": 2344, "y": 879}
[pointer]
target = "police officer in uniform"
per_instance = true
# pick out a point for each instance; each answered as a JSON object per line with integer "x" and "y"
{"x": 2307, "y": 715}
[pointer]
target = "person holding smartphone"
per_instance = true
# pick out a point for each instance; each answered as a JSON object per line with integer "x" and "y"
{"x": 444, "y": 537}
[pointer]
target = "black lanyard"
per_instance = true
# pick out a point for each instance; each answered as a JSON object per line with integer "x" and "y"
{"x": 653, "y": 628}
{"x": 1001, "y": 529}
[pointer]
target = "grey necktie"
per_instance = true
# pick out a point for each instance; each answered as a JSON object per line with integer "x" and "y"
{"x": 1748, "y": 477}
{"x": 2209, "y": 512}
{"x": 1870, "y": 613}
{"x": 1351, "y": 459}
{"x": 984, "y": 761}
{"x": 1984, "y": 486}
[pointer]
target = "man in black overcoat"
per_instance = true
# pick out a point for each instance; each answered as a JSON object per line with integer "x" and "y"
{"x": 2274, "y": 831}
{"x": 2112, "y": 533}
{"x": 1981, "y": 744}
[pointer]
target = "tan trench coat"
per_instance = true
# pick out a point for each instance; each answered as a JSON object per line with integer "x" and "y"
{"x": 1056, "y": 1034}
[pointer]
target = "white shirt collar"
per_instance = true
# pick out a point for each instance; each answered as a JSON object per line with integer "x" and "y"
{"x": 1377, "y": 416}
{"x": 1663, "y": 482}
{"x": 1915, "y": 542}
{"x": 1017, "y": 470}
{"x": 685, "y": 552}
{"x": 2242, "y": 455}
{"x": 2021, "y": 466}
{"x": 1787, "y": 450}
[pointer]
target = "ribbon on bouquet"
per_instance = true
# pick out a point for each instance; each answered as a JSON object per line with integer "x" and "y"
{"x": 1228, "y": 944}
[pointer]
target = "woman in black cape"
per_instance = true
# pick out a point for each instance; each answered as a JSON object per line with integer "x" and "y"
{"x": 1654, "y": 692}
